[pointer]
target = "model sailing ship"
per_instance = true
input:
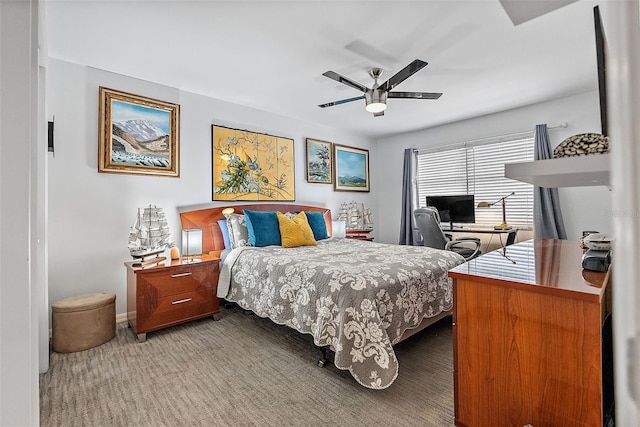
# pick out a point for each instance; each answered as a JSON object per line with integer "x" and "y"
{"x": 356, "y": 216}
{"x": 367, "y": 218}
{"x": 149, "y": 234}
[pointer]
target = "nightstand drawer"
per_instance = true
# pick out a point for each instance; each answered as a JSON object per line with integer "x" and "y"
{"x": 167, "y": 282}
{"x": 162, "y": 312}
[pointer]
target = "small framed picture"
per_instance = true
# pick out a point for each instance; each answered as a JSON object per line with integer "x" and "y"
{"x": 351, "y": 168}
{"x": 319, "y": 164}
{"x": 138, "y": 135}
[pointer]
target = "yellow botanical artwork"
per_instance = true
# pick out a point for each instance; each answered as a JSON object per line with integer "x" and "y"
{"x": 251, "y": 166}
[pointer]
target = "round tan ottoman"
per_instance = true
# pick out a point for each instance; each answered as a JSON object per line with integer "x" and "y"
{"x": 83, "y": 322}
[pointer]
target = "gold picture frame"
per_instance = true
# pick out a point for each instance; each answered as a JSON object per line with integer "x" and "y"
{"x": 351, "y": 168}
{"x": 319, "y": 161}
{"x": 137, "y": 135}
{"x": 251, "y": 166}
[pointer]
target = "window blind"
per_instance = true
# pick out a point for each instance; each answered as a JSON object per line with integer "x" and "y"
{"x": 479, "y": 170}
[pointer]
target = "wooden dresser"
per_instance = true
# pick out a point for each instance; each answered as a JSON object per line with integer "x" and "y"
{"x": 528, "y": 333}
{"x": 171, "y": 293}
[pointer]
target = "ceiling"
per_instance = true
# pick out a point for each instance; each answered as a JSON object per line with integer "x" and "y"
{"x": 270, "y": 55}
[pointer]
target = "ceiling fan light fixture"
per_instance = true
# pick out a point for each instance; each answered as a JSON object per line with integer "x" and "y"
{"x": 375, "y": 98}
{"x": 376, "y": 107}
{"x": 376, "y": 101}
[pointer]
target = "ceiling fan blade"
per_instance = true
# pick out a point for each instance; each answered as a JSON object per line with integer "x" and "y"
{"x": 403, "y": 74}
{"x": 414, "y": 95}
{"x": 381, "y": 113}
{"x": 342, "y": 101}
{"x": 337, "y": 77}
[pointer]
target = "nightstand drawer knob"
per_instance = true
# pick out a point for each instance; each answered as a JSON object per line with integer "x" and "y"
{"x": 181, "y": 274}
{"x": 180, "y": 301}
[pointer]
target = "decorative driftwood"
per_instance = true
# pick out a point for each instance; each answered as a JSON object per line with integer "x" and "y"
{"x": 582, "y": 144}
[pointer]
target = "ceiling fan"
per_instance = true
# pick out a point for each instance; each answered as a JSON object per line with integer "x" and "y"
{"x": 376, "y": 96}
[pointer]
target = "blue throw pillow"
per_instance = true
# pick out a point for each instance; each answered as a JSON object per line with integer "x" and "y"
{"x": 264, "y": 229}
{"x": 224, "y": 228}
{"x": 318, "y": 225}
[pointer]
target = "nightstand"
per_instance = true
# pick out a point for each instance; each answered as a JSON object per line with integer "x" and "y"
{"x": 359, "y": 234}
{"x": 171, "y": 293}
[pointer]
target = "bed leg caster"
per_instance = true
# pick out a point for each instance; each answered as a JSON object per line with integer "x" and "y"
{"x": 323, "y": 359}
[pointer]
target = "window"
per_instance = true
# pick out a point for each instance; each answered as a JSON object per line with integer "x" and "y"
{"x": 479, "y": 170}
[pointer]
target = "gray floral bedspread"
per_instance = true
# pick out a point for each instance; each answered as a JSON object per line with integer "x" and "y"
{"x": 356, "y": 297}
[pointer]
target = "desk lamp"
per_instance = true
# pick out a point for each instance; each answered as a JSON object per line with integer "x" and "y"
{"x": 504, "y": 225}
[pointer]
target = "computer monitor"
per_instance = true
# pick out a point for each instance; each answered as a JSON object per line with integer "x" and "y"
{"x": 455, "y": 208}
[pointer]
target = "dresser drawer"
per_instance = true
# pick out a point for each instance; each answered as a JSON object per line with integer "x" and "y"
{"x": 155, "y": 313}
{"x": 177, "y": 280}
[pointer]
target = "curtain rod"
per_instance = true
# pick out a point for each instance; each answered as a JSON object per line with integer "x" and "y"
{"x": 485, "y": 140}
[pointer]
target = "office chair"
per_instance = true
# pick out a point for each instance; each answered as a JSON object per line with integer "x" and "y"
{"x": 428, "y": 222}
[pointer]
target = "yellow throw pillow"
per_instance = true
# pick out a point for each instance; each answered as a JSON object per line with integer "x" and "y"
{"x": 295, "y": 231}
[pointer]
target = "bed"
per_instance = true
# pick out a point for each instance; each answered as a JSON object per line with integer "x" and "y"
{"x": 355, "y": 297}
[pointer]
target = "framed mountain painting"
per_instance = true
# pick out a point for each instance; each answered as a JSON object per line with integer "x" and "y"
{"x": 351, "y": 168}
{"x": 138, "y": 135}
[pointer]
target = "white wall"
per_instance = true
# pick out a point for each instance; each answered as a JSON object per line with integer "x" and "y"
{"x": 19, "y": 180}
{"x": 583, "y": 208}
{"x": 90, "y": 213}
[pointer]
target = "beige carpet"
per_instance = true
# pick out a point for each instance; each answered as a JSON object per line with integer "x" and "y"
{"x": 241, "y": 371}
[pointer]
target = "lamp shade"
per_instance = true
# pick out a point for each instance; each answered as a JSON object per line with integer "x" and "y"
{"x": 339, "y": 228}
{"x": 191, "y": 242}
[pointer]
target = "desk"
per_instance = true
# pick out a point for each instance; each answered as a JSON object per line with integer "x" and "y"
{"x": 511, "y": 234}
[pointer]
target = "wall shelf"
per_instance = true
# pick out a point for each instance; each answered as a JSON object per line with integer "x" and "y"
{"x": 590, "y": 170}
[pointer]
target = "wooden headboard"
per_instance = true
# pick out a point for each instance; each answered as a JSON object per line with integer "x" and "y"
{"x": 207, "y": 220}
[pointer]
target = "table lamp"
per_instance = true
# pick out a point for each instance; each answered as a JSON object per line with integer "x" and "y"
{"x": 339, "y": 228}
{"x": 504, "y": 225}
{"x": 191, "y": 244}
